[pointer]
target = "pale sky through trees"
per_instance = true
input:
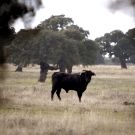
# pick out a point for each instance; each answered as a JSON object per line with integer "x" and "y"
{"x": 92, "y": 15}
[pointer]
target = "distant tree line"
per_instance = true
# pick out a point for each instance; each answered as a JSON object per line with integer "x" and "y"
{"x": 56, "y": 40}
{"x": 119, "y": 46}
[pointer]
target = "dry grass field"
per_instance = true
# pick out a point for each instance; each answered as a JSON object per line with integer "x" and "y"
{"x": 107, "y": 107}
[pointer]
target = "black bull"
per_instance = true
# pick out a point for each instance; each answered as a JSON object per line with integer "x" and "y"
{"x": 77, "y": 82}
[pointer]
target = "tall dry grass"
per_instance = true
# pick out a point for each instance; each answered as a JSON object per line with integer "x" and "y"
{"x": 107, "y": 108}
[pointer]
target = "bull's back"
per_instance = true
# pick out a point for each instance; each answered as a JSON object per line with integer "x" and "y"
{"x": 57, "y": 77}
{"x": 65, "y": 76}
{"x": 66, "y": 81}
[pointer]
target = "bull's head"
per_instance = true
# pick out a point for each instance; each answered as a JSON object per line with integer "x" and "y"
{"x": 87, "y": 74}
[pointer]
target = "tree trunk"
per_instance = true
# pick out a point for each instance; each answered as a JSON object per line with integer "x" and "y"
{"x": 19, "y": 69}
{"x": 62, "y": 69}
{"x": 69, "y": 69}
{"x": 43, "y": 71}
{"x": 123, "y": 63}
{"x": 43, "y": 75}
{"x": 62, "y": 65}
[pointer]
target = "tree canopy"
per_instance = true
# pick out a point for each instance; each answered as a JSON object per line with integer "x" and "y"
{"x": 118, "y": 44}
{"x": 57, "y": 39}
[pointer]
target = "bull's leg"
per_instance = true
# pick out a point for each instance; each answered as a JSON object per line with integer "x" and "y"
{"x": 79, "y": 95}
{"x": 52, "y": 93}
{"x": 58, "y": 93}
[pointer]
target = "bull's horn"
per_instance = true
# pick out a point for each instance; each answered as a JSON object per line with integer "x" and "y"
{"x": 85, "y": 70}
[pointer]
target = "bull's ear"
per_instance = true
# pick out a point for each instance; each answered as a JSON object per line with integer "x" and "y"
{"x": 84, "y": 70}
